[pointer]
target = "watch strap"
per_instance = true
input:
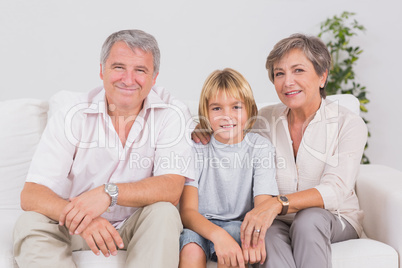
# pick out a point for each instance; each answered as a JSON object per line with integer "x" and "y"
{"x": 285, "y": 204}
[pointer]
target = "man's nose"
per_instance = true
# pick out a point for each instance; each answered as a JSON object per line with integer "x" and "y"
{"x": 128, "y": 78}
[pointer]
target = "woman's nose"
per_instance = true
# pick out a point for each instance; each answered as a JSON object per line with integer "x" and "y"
{"x": 289, "y": 80}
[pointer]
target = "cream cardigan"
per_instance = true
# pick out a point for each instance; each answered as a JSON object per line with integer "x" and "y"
{"x": 328, "y": 157}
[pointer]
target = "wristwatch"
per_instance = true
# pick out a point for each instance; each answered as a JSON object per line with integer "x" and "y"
{"x": 285, "y": 204}
{"x": 113, "y": 191}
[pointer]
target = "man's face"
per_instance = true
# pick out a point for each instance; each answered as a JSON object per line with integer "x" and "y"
{"x": 127, "y": 77}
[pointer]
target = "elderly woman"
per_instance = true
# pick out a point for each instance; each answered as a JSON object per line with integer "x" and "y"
{"x": 319, "y": 145}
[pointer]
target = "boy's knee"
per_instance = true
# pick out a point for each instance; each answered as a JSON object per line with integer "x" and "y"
{"x": 192, "y": 252}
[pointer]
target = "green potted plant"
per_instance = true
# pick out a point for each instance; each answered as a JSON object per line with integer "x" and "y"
{"x": 337, "y": 33}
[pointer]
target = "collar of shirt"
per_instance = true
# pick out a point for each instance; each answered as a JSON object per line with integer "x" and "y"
{"x": 97, "y": 104}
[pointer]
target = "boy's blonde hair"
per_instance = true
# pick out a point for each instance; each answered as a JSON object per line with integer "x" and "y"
{"x": 233, "y": 84}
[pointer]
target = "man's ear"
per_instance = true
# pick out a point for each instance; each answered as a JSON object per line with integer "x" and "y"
{"x": 101, "y": 72}
{"x": 154, "y": 79}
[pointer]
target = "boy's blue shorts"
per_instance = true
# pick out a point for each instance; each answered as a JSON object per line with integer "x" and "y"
{"x": 189, "y": 236}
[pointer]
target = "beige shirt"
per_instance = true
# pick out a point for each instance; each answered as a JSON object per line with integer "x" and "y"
{"x": 328, "y": 157}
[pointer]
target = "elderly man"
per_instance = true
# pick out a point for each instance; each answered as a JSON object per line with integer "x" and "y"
{"x": 110, "y": 168}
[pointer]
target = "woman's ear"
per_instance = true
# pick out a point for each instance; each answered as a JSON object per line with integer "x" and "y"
{"x": 324, "y": 78}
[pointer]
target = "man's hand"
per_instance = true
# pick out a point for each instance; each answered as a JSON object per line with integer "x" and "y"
{"x": 228, "y": 251}
{"x": 81, "y": 210}
{"x": 101, "y": 235}
{"x": 199, "y": 135}
{"x": 256, "y": 254}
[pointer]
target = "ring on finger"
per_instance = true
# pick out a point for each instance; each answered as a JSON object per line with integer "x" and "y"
{"x": 257, "y": 230}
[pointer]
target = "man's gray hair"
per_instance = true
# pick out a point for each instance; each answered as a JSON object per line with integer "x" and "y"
{"x": 134, "y": 39}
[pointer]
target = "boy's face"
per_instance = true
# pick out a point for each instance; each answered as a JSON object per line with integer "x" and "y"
{"x": 228, "y": 117}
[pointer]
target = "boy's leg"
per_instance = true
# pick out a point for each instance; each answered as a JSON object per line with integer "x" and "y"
{"x": 192, "y": 255}
{"x": 192, "y": 249}
{"x": 151, "y": 236}
{"x": 232, "y": 228}
{"x": 41, "y": 242}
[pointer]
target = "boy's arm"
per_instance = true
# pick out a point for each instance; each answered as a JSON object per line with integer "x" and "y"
{"x": 226, "y": 247}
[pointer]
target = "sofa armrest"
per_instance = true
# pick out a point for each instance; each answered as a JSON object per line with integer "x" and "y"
{"x": 379, "y": 189}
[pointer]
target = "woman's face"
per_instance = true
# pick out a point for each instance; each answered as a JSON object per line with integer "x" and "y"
{"x": 296, "y": 82}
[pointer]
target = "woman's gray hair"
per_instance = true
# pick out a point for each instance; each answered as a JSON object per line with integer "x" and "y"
{"x": 134, "y": 39}
{"x": 313, "y": 48}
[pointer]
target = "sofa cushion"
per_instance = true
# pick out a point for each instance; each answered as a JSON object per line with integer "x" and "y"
{"x": 22, "y": 122}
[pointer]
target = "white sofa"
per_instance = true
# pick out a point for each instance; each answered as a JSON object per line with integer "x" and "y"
{"x": 379, "y": 189}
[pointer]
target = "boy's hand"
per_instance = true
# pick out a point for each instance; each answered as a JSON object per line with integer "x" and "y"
{"x": 228, "y": 251}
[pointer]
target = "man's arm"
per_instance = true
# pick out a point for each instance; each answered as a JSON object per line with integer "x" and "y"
{"x": 101, "y": 236}
{"x": 83, "y": 209}
{"x": 167, "y": 188}
{"x": 39, "y": 198}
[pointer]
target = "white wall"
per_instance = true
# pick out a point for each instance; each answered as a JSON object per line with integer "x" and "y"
{"x": 47, "y": 46}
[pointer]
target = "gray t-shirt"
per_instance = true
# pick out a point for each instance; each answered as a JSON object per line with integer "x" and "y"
{"x": 230, "y": 176}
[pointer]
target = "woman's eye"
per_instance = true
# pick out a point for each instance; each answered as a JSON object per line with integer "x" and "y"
{"x": 237, "y": 107}
{"x": 278, "y": 74}
{"x": 299, "y": 70}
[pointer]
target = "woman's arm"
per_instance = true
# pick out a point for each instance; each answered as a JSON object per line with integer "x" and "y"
{"x": 198, "y": 135}
{"x": 266, "y": 210}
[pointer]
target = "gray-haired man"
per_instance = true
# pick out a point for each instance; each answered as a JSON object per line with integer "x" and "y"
{"x": 110, "y": 167}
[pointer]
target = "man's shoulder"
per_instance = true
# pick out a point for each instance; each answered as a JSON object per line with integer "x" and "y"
{"x": 166, "y": 97}
{"x": 65, "y": 101}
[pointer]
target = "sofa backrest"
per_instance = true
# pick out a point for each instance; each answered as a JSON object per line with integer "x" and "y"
{"x": 22, "y": 123}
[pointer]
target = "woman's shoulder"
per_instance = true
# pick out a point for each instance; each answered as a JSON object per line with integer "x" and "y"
{"x": 272, "y": 112}
{"x": 344, "y": 115}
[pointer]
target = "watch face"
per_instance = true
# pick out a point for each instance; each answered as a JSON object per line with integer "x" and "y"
{"x": 284, "y": 198}
{"x": 111, "y": 188}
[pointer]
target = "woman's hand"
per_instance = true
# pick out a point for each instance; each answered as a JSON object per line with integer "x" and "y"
{"x": 228, "y": 251}
{"x": 257, "y": 254}
{"x": 257, "y": 222}
{"x": 200, "y": 135}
